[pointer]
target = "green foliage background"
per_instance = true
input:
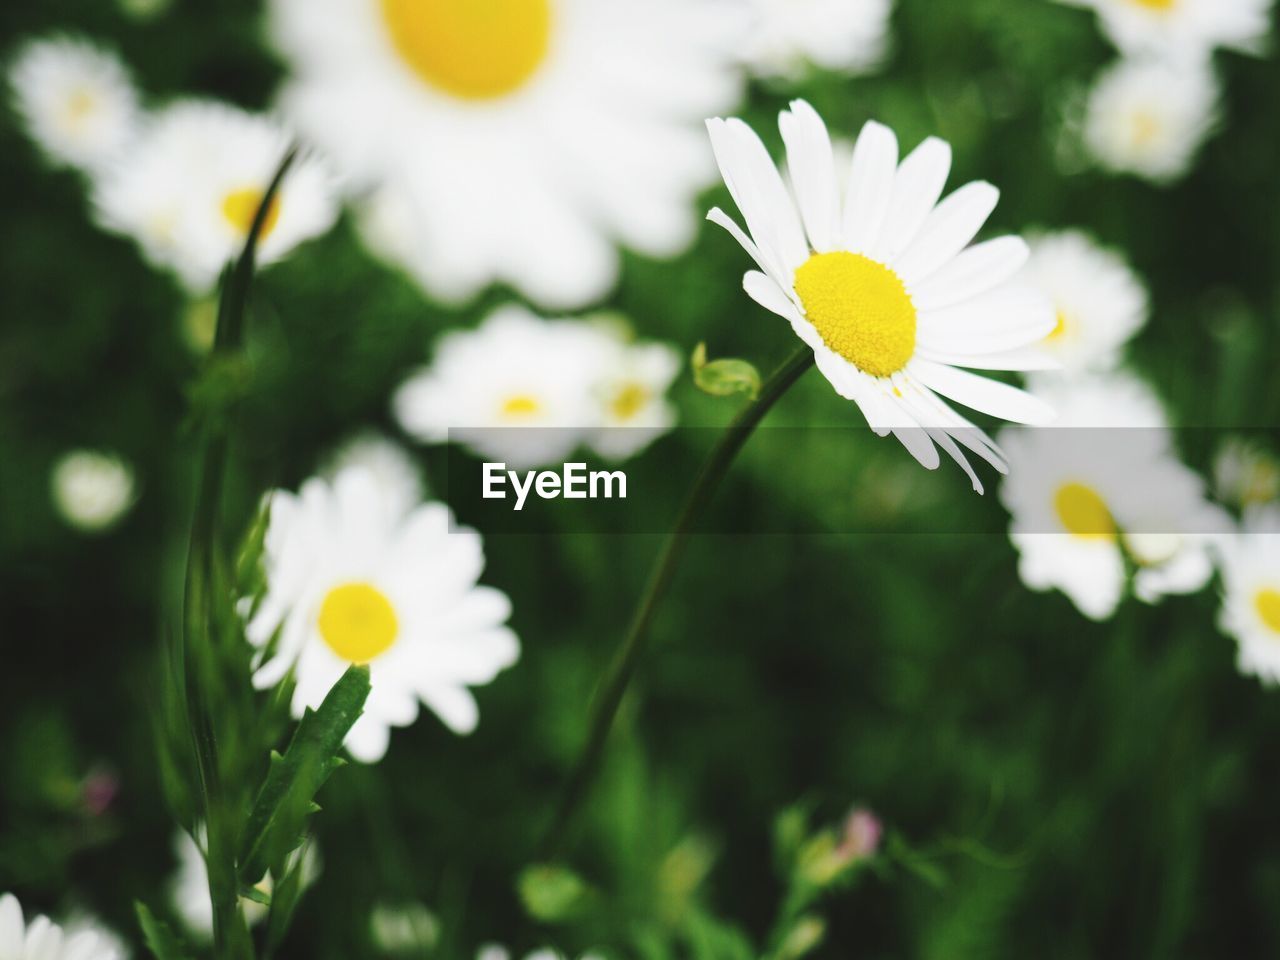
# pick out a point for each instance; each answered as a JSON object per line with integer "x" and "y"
{"x": 1069, "y": 789}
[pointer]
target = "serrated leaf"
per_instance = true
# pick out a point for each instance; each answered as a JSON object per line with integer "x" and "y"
{"x": 725, "y": 377}
{"x": 161, "y": 941}
{"x": 277, "y": 823}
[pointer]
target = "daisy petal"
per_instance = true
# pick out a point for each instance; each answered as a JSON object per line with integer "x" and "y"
{"x": 1022, "y": 358}
{"x": 981, "y": 394}
{"x": 916, "y": 188}
{"x": 947, "y": 231}
{"x": 871, "y": 180}
{"x": 765, "y": 292}
{"x": 975, "y": 271}
{"x": 813, "y": 173}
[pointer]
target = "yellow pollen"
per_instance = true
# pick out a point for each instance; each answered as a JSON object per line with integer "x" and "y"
{"x": 1156, "y": 4}
{"x": 239, "y": 207}
{"x": 79, "y": 105}
{"x": 358, "y": 622}
{"x": 1083, "y": 512}
{"x": 521, "y": 405}
{"x": 630, "y": 399}
{"x": 1267, "y": 603}
{"x": 471, "y": 49}
{"x": 861, "y": 310}
{"x": 1060, "y": 328}
{"x": 1146, "y": 128}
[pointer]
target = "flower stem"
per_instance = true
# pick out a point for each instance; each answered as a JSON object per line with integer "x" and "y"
{"x": 623, "y": 667}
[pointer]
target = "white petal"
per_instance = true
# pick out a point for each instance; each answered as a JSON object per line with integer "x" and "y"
{"x": 919, "y": 445}
{"x": 765, "y": 292}
{"x": 454, "y": 705}
{"x": 1022, "y": 358}
{"x": 813, "y": 173}
{"x": 722, "y": 219}
{"x": 947, "y": 231}
{"x": 1007, "y": 318}
{"x": 975, "y": 271}
{"x": 916, "y": 188}
{"x": 981, "y": 394}
{"x": 871, "y": 180}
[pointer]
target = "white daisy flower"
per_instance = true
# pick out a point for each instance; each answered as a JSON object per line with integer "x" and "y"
{"x": 1250, "y": 611}
{"x": 391, "y": 464}
{"x": 1246, "y": 473}
{"x": 494, "y": 951}
{"x": 76, "y": 99}
{"x": 1098, "y": 301}
{"x": 352, "y": 578}
{"x": 1150, "y": 118}
{"x": 44, "y": 940}
{"x": 92, "y": 490}
{"x": 631, "y": 389}
{"x": 880, "y": 281}
{"x": 516, "y": 389}
{"x": 515, "y": 141}
{"x": 845, "y": 36}
{"x": 1102, "y": 488}
{"x": 188, "y": 191}
{"x": 189, "y": 888}
{"x": 1183, "y": 29}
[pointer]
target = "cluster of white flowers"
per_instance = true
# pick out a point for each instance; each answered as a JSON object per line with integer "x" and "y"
{"x": 530, "y": 391}
{"x": 185, "y": 181}
{"x": 1149, "y": 112}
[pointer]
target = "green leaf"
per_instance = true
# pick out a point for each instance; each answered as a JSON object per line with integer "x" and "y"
{"x": 553, "y": 893}
{"x": 160, "y": 940}
{"x": 723, "y": 378}
{"x": 277, "y": 823}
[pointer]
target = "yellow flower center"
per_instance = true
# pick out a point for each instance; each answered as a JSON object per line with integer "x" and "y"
{"x": 80, "y": 104}
{"x": 1156, "y": 4}
{"x": 1060, "y": 328}
{"x": 861, "y": 310}
{"x": 520, "y": 406}
{"x": 1146, "y": 128}
{"x": 629, "y": 400}
{"x": 1083, "y": 512}
{"x": 1267, "y": 603}
{"x": 358, "y": 622}
{"x": 239, "y": 207}
{"x": 471, "y": 49}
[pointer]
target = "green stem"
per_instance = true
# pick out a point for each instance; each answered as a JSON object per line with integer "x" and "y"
{"x": 207, "y": 577}
{"x": 621, "y": 670}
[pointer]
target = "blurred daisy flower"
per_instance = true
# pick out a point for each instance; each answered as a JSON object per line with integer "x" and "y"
{"x": 493, "y": 951}
{"x": 1150, "y": 118}
{"x": 76, "y": 99}
{"x": 1183, "y": 29}
{"x": 514, "y": 141}
{"x": 44, "y": 940}
{"x": 844, "y": 36}
{"x": 880, "y": 281}
{"x": 1250, "y": 612}
{"x": 390, "y": 463}
{"x": 1098, "y": 301}
{"x": 1245, "y": 473}
{"x": 354, "y": 578}
{"x": 91, "y": 489}
{"x": 1102, "y": 491}
{"x": 530, "y": 391}
{"x": 188, "y": 190}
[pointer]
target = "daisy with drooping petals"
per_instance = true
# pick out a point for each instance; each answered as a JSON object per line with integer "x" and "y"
{"x": 44, "y": 940}
{"x": 188, "y": 190}
{"x": 352, "y": 578}
{"x": 1250, "y": 561}
{"x": 846, "y": 36}
{"x": 515, "y": 141}
{"x": 880, "y": 281}
{"x": 1098, "y": 301}
{"x": 1149, "y": 118}
{"x": 1102, "y": 489}
{"x": 1183, "y": 29}
{"x": 76, "y": 99}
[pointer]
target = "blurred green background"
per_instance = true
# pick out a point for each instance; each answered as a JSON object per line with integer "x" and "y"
{"x": 1071, "y": 789}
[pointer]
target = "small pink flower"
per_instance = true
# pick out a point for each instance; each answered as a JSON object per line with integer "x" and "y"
{"x": 862, "y": 832}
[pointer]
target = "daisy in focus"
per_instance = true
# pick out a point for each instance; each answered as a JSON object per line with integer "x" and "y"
{"x": 1250, "y": 562}
{"x": 1099, "y": 303}
{"x": 514, "y": 141}
{"x": 530, "y": 391}
{"x": 44, "y": 940}
{"x": 879, "y": 279}
{"x": 92, "y": 490}
{"x": 1183, "y": 29}
{"x": 354, "y": 578}
{"x": 843, "y": 36}
{"x": 1102, "y": 492}
{"x": 77, "y": 101}
{"x": 188, "y": 190}
{"x": 1150, "y": 118}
